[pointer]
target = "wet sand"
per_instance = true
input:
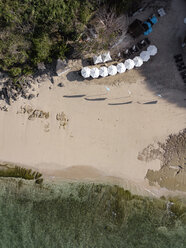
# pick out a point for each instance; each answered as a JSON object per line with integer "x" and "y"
{"x": 172, "y": 174}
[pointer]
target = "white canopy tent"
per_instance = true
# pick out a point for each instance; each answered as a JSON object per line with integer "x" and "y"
{"x": 121, "y": 68}
{"x": 94, "y": 72}
{"x": 85, "y": 72}
{"x": 138, "y": 61}
{"x": 112, "y": 70}
{"x": 145, "y": 56}
{"x": 103, "y": 71}
{"x": 152, "y": 50}
{"x": 129, "y": 64}
{"x": 97, "y": 59}
{"x": 106, "y": 57}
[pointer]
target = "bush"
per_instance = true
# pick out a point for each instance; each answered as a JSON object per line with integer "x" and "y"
{"x": 38, "y": 30}
{"x": 15, "y": 71}
{"x": 27, "y": 70}
{"x": 41, "y": 49}
{"x": 20, "y": 172}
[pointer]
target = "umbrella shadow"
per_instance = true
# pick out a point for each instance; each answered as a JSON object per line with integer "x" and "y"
{"x": 95, "y": 99}
{"x": 151, "y": 102}
{"x": 122, "y": 103}
{"x": 75, "y": 76}
{"x": 73, "y": 96}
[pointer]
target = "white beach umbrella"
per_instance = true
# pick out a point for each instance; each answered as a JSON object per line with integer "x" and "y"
{"x": 94, "y": 73}
{"x": 103, "y": 71}
{"x": 106, "y": 57}
{"x": 85, "y": 72}
{"x": 129, "y": 64}
{"x": 121, "y": 68}
{"x": 138, "y": 61}
{"x": 152, "y": 50}
{"x": 145, "y": 56}
{"x": 112, "y": 70}
{"x": 97, "y": 59}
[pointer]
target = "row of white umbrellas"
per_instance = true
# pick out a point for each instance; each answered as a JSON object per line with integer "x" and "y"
{"x": 121, "y": 67}
{"x": 111, "y": 70}
{"x": 151, "y": 51}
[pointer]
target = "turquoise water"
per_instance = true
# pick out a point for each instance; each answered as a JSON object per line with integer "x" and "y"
{"x": 86, "y": 215}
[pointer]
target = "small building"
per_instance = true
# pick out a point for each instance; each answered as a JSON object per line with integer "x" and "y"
{"x": 61, "y": 67}
{"x": 136, "y": 28}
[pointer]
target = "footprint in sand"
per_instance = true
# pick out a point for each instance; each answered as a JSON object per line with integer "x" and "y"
{"x": 47, "y": 127}
{"x": 62, "y": 120}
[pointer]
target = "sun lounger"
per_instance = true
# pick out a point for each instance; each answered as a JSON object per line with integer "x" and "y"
{"x": 181, "y": 68}
{"x": 178, "y": 56}
{"x": 183, "y": 73}
{"x": 161, "y": 12}
{"x": 179, "y": 64}
{"x": 127, "y": 53}
{"x": 135, "y": 48}
{"x": 141, "y": 44}
{"x": 131, "y": 51}
{"x": 183, "y": 76}
{"x": 147, "y": 41}
{"x": 179, "y": 60}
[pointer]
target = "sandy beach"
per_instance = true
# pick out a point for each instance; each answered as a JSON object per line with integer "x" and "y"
{"x": 104, "y": 137}
{"x": 98, "y": 128}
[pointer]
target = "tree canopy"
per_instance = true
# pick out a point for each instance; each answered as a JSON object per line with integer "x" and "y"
{"x": 34, "y": 31}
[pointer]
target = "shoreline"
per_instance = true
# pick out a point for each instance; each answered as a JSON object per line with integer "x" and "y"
{"x": 80, "y": 210}
{"x": 88, "y": 174}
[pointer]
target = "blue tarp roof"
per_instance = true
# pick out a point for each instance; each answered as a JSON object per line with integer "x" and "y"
{"x": 148, "y": 31}
{"x": 154, "y": 19}
{"x": 148, "y": 24}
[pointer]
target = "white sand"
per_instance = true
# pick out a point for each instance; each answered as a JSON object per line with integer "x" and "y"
{"x": 105, "y": 137}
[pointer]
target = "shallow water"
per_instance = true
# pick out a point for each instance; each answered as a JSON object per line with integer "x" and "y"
{"x": 86, "y": 215}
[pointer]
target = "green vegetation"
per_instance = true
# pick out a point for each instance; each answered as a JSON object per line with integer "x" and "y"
{"x": 87, "y": 215}
{"x": 34, "y": 31}
{"x": 19, "y": 172}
